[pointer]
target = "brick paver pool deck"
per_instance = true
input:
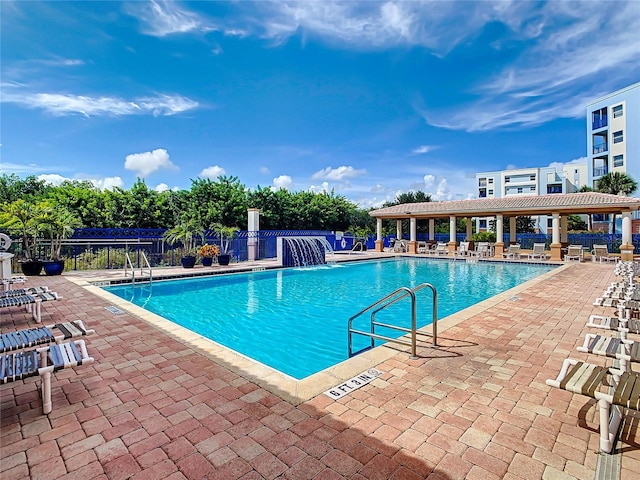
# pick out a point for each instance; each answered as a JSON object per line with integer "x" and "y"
{"x": 153, "y": 407}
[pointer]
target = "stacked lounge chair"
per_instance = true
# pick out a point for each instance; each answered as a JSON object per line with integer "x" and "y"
{"x": 617, "y": 387}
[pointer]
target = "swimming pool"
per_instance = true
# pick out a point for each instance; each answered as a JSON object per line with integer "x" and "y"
{"x": 295, "y": 320}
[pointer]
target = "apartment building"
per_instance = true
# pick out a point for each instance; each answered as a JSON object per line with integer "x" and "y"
{"x": 530, "y": 181}
{"x": 613, "y": 134}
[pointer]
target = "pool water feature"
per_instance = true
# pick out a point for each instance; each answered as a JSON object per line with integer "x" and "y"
{"x": 295, "y": 320}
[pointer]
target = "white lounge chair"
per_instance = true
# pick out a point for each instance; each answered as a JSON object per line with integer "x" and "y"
{"x": 483, "y": 249}
{"x": 34, "y": 337}
{"x": 574, "y": 252}
{"x": 463, "y": 249}
{"x": 33, "y": 303}
{"x": 600, "y": 253}
{"x": 538, "y": 252}
{"x": 613, "y": 389}
{"x": 43, "y": 361}
{"x": 439, "y": 249}
{"x": 513, "y": 252}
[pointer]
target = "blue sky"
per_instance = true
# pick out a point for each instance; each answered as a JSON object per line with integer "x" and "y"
{"x": 369, "y": 99}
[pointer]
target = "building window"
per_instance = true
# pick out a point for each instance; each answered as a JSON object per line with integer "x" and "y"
{"x": 507, "y": 179}
{"x": 519, "y": 189}
{"x": 533, "y": 189}
{"x": 556, "y": 188}
{"x": 532, "y": 178}
{"x": 549, "y": 222}
{"x": 491, "y": 180}
{"x": 618, "y": 161}
{"x": 618, "y": 137}
{"x": 617, "y": 111}
{"x": 490, "y": 192}
{"x": 483, "y": 223}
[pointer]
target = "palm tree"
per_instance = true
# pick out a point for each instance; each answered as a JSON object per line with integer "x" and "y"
{"x": 617, "y": 183}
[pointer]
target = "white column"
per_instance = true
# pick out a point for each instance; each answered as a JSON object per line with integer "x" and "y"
{"x": 499, "y": 230}
{"x": 555, "y": 228}
{"x": 432, "y": 229}
{"x": 452, "y": 229}
{"x": 378, "y": 229}
{"x": 512, "y": 228}
{"x": 469, "y": 228}
{"x": 398, "y": 229}
{"x": 253, "y": 227}
{"x": 564, "y": 227}
{"x": 413, "y": 229}
{"x": 626, "y": 228}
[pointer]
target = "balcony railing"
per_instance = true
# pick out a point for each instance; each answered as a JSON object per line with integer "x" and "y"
{"x": 599, "y": 171}
{"x": 600, "y": 148}
{"x": 599, "y": 123}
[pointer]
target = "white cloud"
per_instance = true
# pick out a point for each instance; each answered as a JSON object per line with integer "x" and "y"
{"x": 52, "y": 178}
{"x": 422, "y": 149}
{"x": 148, "y": 162}
{"x": 162, "y": 187}
{"x": 108, "y": 183}
{"x": 212, "y": 172}
{"x": 162, "y": 18}
{"x": 323, "y": 188}
{"x": 429, "y": 180}
{"x": 66, "y": 104}
{"x": 265, "y": 170}
{"x": 283, "y": 181}
{"x": 337, "y": 174}
{"x": 575, "y": 161}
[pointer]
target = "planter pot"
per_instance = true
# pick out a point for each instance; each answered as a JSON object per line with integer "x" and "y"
{"x": 53, "y": 267}
{"x": 188, "y": 262}
{"x": 207, "y": 261}
{"x": 31, "y": 267}
{"x": 224, "y": 259}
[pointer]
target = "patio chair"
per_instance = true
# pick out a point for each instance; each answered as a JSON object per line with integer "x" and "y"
{"x": 483, "y": 249}
{"x": 32, "y": 303}
{"x": 7, "y": 282}
{"x": 401, "y": 246}
{"x": 463, "y": 249}
{"x": 43, "y": 362}
{"x": 439, "y": 249}
{"x": 16, "y": 292}
{"x": 574, "y": 252}
{"x": 613, "y": 389}
{"x": 538, "y": 252}
{"x": 600, "y": 253}
{"x": 512, "y": 252}
{"x": 34, "y": 337}
{"x": 422, "y": 247}
{"x": 622, "y": 325}
{"x": 621, "y": 349}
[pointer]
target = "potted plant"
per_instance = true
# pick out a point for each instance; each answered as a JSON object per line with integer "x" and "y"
{"x": 225, "y": 234}
{"x": 59, "y": 223}
{"x": 23, "y": 218}
{"x": 185, "y": 233}
{"x": 207, "y": 252}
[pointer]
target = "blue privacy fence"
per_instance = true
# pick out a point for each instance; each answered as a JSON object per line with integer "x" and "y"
{"x": 104, "y": 248}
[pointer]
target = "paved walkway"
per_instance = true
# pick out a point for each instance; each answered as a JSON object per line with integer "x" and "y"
{"x": 151, "y": 407}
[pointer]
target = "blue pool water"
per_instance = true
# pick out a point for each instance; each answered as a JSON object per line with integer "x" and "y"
{"x": 295, "y": 320}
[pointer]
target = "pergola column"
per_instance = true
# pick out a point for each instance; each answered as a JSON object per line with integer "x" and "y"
{"x": 626, "y": 249}
{"x": 499, "y": 247}
{"x": 432, "y": 229}
{"x": 452, "y": 235}
{"x": 399, "y": 229}
{"x": 379, "y": 241}
{"x": 564, "y": 228}
{"x": 556, "y": 246}
{"x": 413, "y": 244}
{"x": 512, "y": 229}
{"x": 469, "y": 229}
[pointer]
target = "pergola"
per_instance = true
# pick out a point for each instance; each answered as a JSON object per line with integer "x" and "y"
{"x": 559, "y": 207}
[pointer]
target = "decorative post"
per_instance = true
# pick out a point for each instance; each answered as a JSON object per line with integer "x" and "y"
{"x": 379, "y": 241}
{"x": 499, "y": 247}
{"x": 253, "y": 227}
{"x": 413, "y": 244}
{"x": 556, "y": 246}
{"x": 626, "y": 249}
{"x": 452, "y": 235}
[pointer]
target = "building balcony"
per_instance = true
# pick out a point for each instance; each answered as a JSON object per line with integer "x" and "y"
{"x": 482, "y": 183}
{"x": 600, "y": 148}
{"x": 599, "y": 171}
{"x": 599, "y": 123}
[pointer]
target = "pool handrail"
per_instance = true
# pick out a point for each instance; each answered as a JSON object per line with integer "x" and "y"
{"x": 383, "y": 303}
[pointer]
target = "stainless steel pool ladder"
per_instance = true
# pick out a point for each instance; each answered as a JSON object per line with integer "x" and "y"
{"x": 144, "y": 267}
{"x": 394, "y": 297}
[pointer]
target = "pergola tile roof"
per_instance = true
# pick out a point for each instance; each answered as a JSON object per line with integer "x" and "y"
{"x": 570, "y": 203}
